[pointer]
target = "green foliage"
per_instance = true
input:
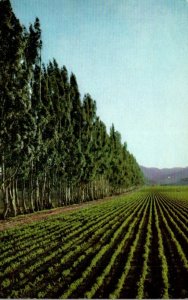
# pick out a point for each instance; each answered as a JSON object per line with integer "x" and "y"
{"x": 52, "y": 142}
{"x": 5, "y": 283}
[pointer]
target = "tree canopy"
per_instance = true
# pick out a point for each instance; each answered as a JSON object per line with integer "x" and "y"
{"x": 54, "y": 149}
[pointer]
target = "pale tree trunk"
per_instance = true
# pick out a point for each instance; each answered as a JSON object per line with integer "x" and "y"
{"x": 94, "y": 189}
{"x": 11, "y": 195}
{"x": 71, "y": 197}
{"x": 82, "y": 199}
{"x": 30, "y": 194}
{"x": 60, "y": 196}
{"x": 4, "y": 189}
{"x": 68, "y": 195}
{"x": 80, "y": 194}
{"x": 43, "y": 190}
{"x": 90, "y": 191}
{"x": 87, "y": 192}
{"x": 102, "y": 186}
{"x": 37, "y": 194}
{"x": 49, "y": 200}
{"x": 63, "y": 194}
{"x": 24, "y": 197}
{"x": 17, "y": 199}
{"x": 6, "y": 203}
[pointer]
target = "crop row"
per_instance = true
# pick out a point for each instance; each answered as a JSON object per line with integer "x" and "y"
{"x": 43, "y": 255}
{"x": 109, "y": 250}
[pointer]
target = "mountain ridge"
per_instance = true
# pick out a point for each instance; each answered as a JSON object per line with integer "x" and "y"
{"x": 176, "y": 175}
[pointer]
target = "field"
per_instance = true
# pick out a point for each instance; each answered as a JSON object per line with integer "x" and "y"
{"x": 133, "y": 246}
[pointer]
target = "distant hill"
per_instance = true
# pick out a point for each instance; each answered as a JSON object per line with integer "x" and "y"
{"x": 166, "y": 176}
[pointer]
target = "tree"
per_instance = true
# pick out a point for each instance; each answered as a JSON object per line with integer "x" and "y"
{"x": 52, "y": 143}
{"x": 15, "y": 73}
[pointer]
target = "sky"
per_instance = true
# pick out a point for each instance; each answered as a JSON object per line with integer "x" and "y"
{"x": 131, "y": 56}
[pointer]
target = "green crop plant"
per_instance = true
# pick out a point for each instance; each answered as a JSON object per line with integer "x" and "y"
{"x": 6, "y": 283}
{"x": 121, "y": 281}
{"x": 120, "y": 246}
{"x": 79, "y": 254}
{"x": 164, "y": 264}
{"x": 145, "y": 269}
{"x": 175, "y": 241}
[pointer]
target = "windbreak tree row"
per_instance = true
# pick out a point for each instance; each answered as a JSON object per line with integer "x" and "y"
{"x": 54, "y": 149}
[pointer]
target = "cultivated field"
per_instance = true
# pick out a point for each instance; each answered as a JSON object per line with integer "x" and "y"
{"x": 134, "y": 246}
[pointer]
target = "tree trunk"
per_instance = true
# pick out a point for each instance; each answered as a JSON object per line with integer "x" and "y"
{"x": 4, "y": 189}
{"x": 17, "y": 200}
{"x": 49, "y": 200}
{"x": 37, "y": 194}
{"x": 11, "y": 195}
{"x": 61, "y": 199}
{"x": 25, "y": 209}
{"x": 6, "y": 203}
{"x": 31, "y": 194}
{"x": 68, "y": 195}
{"x": 43, "y": 190}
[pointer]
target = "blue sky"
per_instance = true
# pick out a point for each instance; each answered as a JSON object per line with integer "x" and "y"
{"x": 132, "y": 57}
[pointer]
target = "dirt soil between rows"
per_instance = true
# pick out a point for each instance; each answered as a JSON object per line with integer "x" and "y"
{"x": 42, "y": 215}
